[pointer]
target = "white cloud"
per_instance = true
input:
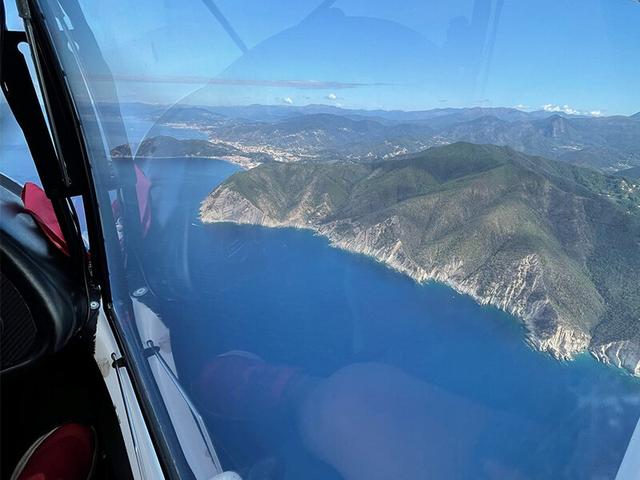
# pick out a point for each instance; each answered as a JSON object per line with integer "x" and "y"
{"x": 549, "y": 107}
{"x": 287, "y": 100}
{"x": 520, "y": 106}
{"x": 332, "y": 96}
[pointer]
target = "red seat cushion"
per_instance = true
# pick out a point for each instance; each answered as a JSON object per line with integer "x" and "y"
{"x": 66, "y": 453}
{"x": 41, "y": 209}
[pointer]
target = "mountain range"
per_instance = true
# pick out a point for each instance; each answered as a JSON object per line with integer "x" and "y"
{"x": 326, "y": 133}
{"x": 554, "y": 244}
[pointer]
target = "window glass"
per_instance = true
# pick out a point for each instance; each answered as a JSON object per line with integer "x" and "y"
{"x": 373, "y": 240}
{"x": 12, "y": 19}
{"x": 16, "y": 159}
{"x": 17, "y": 162}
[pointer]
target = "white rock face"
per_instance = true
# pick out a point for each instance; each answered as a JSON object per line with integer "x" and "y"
{"x": 230, "y": 205}
{"x": 625, "y": 354}
{"x": 520, "y": 291}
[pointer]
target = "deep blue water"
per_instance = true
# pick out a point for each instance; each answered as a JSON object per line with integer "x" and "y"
{"x": 289, "y": 297}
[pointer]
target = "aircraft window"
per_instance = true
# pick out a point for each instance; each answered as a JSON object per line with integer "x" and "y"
{"x": 14, "y": 152}
{"x": 373, "y": 240}
{"x": 17, "y": 163}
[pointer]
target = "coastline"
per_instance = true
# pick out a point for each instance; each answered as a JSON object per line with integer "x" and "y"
{"x": 561, "y": 342}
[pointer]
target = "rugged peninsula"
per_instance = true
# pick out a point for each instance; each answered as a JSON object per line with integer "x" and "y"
{"x": 556, "y": 245}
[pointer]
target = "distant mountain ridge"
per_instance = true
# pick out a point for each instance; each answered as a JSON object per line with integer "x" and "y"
{"x": 330, "y": 133}
{"x": 326, "y": 136}
{"x": 601, "y": 143}
{"x": 270, "y": 113}
{"x": 556, "y": 245}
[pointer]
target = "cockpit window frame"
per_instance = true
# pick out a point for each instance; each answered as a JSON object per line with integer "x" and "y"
{"x": 70, "y": 136}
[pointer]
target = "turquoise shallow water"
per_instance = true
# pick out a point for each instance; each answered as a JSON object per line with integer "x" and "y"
{"x": 291, "y": 298}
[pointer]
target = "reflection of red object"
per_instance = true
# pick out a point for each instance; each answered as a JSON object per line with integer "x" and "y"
{"x": 66, "y": 453}
{"x": 240, "y": 387}
{"x": 41, "y": 209}
{"x": 143, "y": 185}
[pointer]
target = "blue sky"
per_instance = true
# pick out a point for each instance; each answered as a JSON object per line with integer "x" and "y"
{"x": 572, "y": 55}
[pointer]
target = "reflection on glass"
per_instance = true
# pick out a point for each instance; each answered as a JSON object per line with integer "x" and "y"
{"x": 14, "y": 152}
{"x": 377, "y": 240}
